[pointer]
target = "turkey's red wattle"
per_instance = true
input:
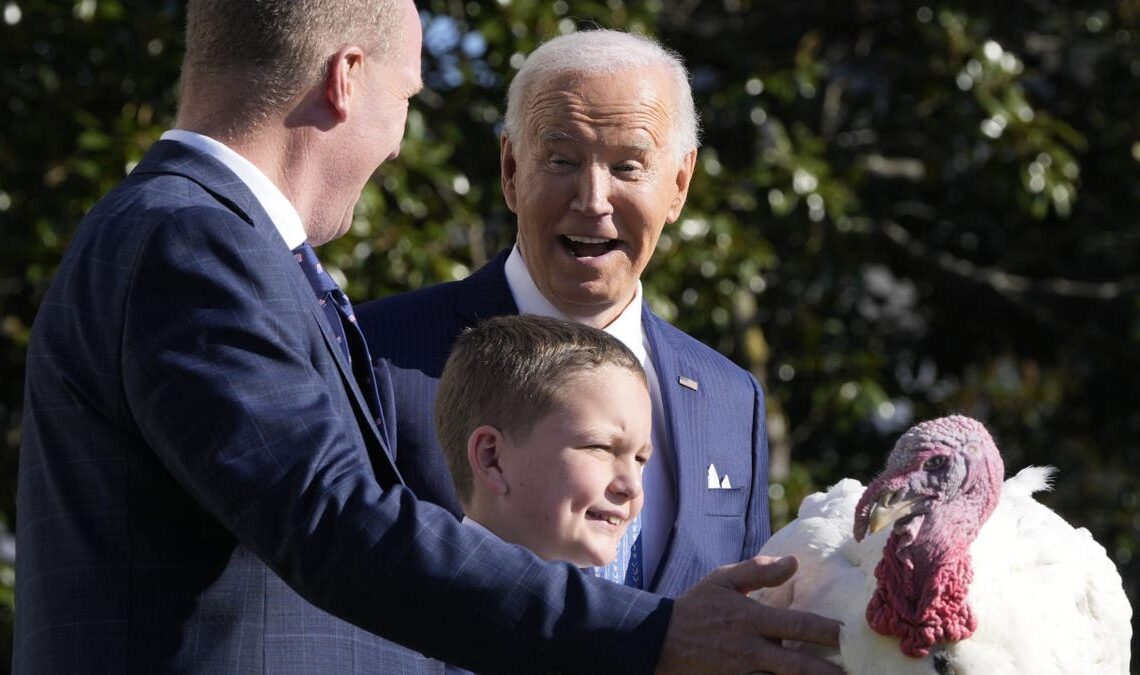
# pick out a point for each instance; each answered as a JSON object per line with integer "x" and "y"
{"x": 922, "y": 603}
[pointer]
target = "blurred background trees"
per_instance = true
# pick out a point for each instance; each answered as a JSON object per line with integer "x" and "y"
{"x": 901, "y": 210}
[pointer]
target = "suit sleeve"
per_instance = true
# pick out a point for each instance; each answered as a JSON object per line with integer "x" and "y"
{"x": 225, "y": 384}
{"x": 758, "y": 525}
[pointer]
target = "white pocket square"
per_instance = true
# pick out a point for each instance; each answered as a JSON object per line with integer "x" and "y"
{"x": 718, "y": 482}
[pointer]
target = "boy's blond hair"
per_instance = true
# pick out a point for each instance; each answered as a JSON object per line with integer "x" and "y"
{"x": 508, "y": 372}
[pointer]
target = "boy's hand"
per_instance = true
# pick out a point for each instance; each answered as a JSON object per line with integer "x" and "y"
{"x": 715, "y": 628}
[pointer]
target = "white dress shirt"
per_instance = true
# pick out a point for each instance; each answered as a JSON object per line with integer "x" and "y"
{"x": 276, "y": 205}
{"x": 660, "y": 508}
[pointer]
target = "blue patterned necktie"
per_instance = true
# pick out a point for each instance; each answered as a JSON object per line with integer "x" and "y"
{"x": 342, "y": 319}
{"x": 626, "y": 566}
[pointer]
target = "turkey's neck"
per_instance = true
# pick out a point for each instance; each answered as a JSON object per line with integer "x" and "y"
{"x": 920, "y": 596}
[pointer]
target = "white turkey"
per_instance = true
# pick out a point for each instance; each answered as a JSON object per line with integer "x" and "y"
{"x": 940, "y": 568}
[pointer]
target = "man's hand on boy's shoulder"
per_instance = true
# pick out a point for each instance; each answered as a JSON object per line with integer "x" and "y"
{"x": 716, "y": 628}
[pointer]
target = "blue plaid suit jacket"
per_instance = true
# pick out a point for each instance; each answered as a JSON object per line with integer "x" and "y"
{"x": 201, "y": 491}
{"x": 722, "y": 422}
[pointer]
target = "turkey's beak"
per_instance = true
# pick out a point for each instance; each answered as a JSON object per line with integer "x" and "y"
{"x": 892, "y": 507}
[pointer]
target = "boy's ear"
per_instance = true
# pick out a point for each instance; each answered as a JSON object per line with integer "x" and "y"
{"x": 484, "y": 452}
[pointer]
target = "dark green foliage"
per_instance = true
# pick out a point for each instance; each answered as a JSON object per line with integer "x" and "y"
{"x": 900, "y": 210}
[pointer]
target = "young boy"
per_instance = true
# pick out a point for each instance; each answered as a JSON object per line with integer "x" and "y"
{"x": 546, "y": 428}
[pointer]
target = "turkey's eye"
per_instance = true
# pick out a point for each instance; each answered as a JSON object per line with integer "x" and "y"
{"x": 934, "y": 463}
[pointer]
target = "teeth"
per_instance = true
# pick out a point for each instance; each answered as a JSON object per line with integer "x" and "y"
{"x": 611, "y": 519}
{"x": 577, "y": 239}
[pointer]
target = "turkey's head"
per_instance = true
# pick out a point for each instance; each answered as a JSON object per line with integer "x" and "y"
{"x": 942, "y": 481}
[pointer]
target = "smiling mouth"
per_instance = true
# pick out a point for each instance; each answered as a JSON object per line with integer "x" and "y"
{"x": 587, "y": 247}
{"x": 605, "y": 518}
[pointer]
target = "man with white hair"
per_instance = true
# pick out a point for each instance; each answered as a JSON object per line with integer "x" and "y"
{"x": 205, "y": 481}
{"x": 598, "y": 149}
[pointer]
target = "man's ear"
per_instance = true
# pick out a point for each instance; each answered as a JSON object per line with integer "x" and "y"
{"x": 684, "y": 177}
{"x": 343, "y": 80}
{"x": 484, "y": 454}
{"x": 508, "y": 169}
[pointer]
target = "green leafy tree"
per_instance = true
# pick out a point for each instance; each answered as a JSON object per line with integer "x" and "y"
{"x": 900, "y": 210}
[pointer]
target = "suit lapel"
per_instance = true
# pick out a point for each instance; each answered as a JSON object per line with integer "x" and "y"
{"x": 485, "y": 293}
{"x": 373, "y": 437}
{"x": 379, "y": 450}
{"x": 680, "y": 406}
{"x": 171, "y": 157}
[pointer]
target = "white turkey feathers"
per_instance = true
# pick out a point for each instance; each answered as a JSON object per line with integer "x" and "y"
{"x": 1045, "y": 597}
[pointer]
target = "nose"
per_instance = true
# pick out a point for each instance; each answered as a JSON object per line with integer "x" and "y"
{"x": 626, "y": 484}
{"x": 593, "y": 196}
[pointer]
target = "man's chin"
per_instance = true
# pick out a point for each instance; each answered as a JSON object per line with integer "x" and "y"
{"x": 588, "y": 306}
{"x": 345, "y": 226}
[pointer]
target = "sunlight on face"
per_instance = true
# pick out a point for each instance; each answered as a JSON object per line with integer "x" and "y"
{"x": 380, "y": 115}
{"x": 593, "y": 179}
{"x": 574, "y": 481}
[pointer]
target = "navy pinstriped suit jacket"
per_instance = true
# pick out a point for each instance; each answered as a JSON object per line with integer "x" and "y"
{"x": 200, "y": 490}
{"x": 721, "y": 423}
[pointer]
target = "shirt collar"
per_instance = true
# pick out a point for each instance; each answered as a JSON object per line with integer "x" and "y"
{"x": 471, "y": 522}
{"x": 626, "y": 327}
{"x": 276, "y": 205}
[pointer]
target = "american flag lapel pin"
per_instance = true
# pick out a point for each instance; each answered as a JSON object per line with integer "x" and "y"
{"x": 688, "y": 383}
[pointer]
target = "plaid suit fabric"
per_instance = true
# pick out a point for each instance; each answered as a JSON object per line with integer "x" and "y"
{"x": 201, "y": 488}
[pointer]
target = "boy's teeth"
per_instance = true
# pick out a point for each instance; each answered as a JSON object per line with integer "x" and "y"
{"x": 611, "y": 519}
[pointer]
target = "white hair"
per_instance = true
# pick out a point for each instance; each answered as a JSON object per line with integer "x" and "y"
{"x": 604, "y": 51}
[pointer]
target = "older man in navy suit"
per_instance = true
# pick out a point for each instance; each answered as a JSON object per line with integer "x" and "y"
{"x": 597, "y": 153}
{"x": 598, "y": 149}
{"x": 205, "y": 481}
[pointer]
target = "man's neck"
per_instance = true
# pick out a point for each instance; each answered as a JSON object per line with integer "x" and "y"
{"x": 531, "y": 300}
{"x": 288, "y": 159}
{"x": 599, "y": 318}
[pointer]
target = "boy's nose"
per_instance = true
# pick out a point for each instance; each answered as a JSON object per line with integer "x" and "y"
{"x": 627, "y": 481}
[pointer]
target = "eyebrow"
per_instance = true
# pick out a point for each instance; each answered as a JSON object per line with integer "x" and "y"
{"x": 555, "y": 136}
